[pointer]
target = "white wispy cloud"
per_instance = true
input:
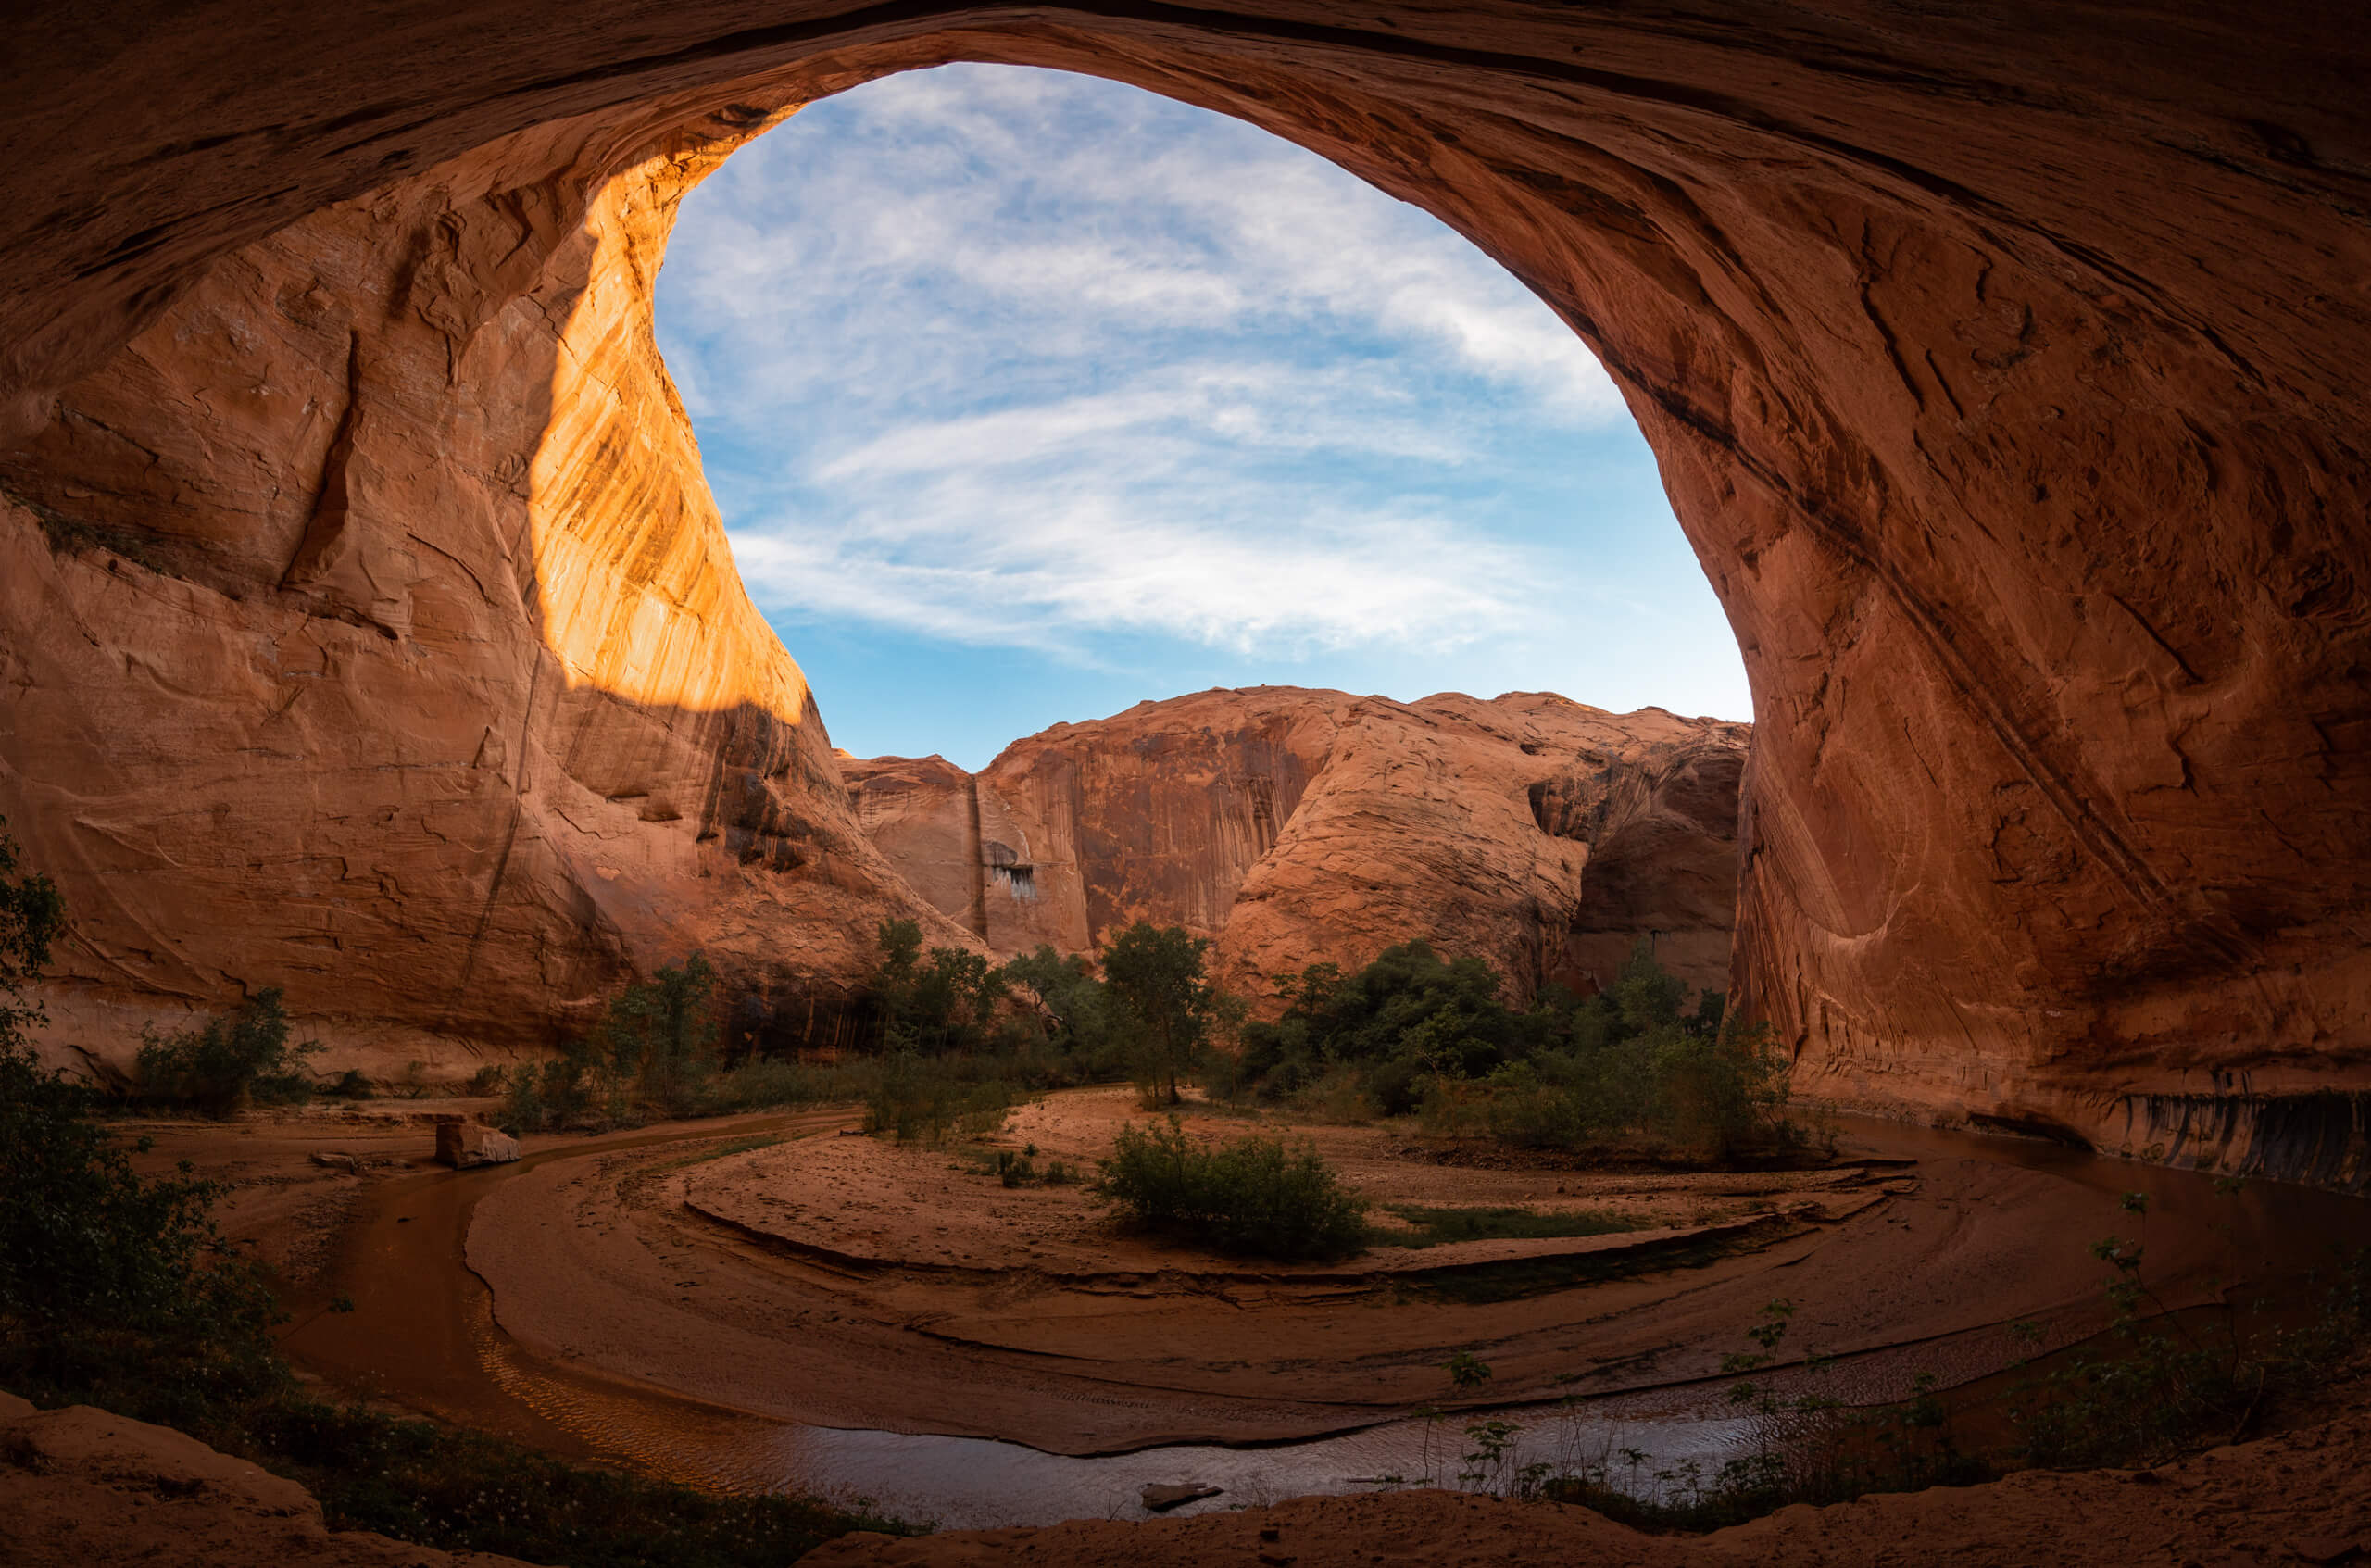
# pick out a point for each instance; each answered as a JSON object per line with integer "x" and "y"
{"x": 1046, "y": 573}
{"x": 1010, "y": 357}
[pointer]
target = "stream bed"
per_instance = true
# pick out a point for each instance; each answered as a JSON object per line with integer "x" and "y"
{"x": 429, "y": 1338}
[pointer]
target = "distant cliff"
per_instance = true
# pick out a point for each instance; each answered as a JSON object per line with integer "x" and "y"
{"x": 1296, "y": 826}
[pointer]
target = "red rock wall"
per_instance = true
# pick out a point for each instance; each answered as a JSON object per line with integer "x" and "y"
{"x": 2006, "y": 363}
{"x": 1296, "y": 827}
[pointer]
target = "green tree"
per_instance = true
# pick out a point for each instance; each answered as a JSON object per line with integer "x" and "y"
{"x": 660, "y": 1034}
{"x": 31, "y": 915}
{"x": 1155, "y": 975}
{"x": 107, "y": 1282}
{"x": 955, "y": 997}
{"x": 1073, "y": 1013}
{"x": 893, "y": 980}
{"x": 1647, "y": 994}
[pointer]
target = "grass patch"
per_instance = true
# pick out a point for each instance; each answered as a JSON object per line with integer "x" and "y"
{"x": 1441, "y": 1227}
{"x": 730, "y": 1145}
{"x": 1484, "y": 1283}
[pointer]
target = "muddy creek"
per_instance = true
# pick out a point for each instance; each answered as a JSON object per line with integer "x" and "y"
{"x": 606, "y": 1299}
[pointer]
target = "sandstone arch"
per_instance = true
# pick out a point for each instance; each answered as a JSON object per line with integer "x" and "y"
{"x": 2006, "y": 365}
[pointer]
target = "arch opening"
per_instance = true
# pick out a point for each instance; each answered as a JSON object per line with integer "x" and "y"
{"x": 1026, "y": 396}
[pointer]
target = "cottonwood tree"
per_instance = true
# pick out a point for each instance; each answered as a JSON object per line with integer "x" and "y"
{"x": 1155, "y": 975}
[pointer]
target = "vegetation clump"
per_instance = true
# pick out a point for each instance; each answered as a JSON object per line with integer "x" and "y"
{"x": 1257, "y": 1196}
{"x": 2156, "y": 1384}
{"x": 1155, "y": 978}
{"x": 241, "y": 1056}
{"x": 928, "y": 1100}
{"x": 1624, "y": 1071}
{"x": 654, "y": 1053}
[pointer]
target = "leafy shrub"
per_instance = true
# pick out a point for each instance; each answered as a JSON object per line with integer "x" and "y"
{"x": 1255, "y": 1195}
{"x": 763, "y": 1082}
{"x": 348, "y": 1085}
{"x": 548, "y": 1094}
{"x": 460, "y": 1490}
{"x": 1045, "y": 1020}
{"x": 658, "y": 1043}
{"x": 1066, "y": 1031}
{"x": 244, "y": 1055}
{"x": 109, "y": 1283}
{"x": 947, "y": 1002}
{"x": 653, "y": 1053}
{"x": 491, "y": 1079}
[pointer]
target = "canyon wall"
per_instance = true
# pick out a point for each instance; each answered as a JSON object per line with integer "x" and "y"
{"x": 2005, "y": 362}
{"x": 370, "y": 634}
{"x": 1295, "y": 827}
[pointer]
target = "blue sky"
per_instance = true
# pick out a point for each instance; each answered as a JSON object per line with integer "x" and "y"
{"x": 1027, "y": 396}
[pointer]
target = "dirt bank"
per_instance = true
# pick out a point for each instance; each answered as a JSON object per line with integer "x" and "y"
{"x": 81, "y": 1489}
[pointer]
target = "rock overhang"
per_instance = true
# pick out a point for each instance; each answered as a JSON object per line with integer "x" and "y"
{"x": 2005, "y": 375}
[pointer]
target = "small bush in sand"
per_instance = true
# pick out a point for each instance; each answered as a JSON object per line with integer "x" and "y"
{"x": 1255, "y": 1195}
{"x": 348, "y": 1085}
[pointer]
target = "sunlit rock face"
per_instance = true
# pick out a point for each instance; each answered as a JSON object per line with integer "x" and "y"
{"x": 2006, "y": 366}
{"x": 1297, "y": 827}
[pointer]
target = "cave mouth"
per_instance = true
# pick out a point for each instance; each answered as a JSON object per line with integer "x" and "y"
{"x": 2029, "y": 485}
{"x": 1027, "y": 396}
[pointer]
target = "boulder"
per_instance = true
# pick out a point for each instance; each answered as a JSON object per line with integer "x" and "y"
{"x": 464, "y": 1144}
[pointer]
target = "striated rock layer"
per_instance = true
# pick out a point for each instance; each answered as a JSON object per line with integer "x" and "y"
{"x": 1300, "y": 826}
{"x": 2006, "y": 364}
